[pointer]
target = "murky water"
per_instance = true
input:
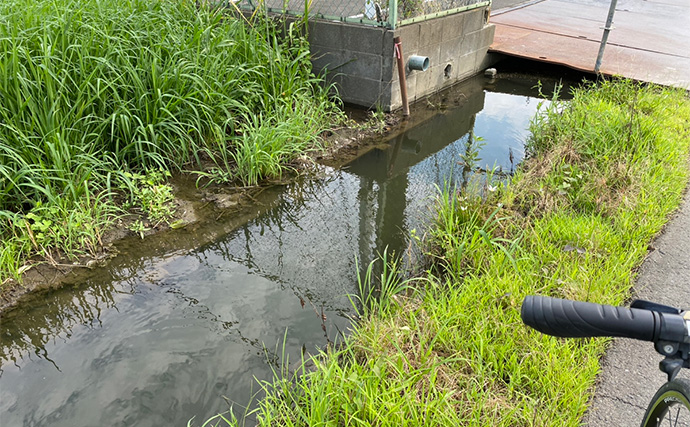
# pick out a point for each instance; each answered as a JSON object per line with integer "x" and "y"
{"x": 162, "y": 335}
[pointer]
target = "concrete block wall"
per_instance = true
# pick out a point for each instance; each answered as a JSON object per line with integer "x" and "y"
{"x": 353, "y": 56}
{"x": 360, "y": 59}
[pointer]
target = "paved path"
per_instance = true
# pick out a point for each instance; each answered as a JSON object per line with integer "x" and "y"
{"x": 630, "y": 374}
{"x": 650, "y": 40}
{"x": 630, "y": 370}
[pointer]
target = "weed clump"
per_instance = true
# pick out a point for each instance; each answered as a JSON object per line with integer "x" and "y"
{"x": 593, "y": 154}
{"x": 96, "y": 92}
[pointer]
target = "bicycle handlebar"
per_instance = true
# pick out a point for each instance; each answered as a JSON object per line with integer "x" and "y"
{"x": 569, "y": 319}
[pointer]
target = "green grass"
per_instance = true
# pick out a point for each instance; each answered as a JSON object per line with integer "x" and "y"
{"x": 605, "y": 172}
{"x": 92, "y": 90}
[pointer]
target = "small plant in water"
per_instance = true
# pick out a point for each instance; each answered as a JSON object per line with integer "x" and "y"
{"x": 470, "y": 158}
{"x": 139, "y": 228}
{"x": 376, "y": 293}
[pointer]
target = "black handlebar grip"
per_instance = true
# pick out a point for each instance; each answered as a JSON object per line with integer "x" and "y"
{"x": 565, "y": 318}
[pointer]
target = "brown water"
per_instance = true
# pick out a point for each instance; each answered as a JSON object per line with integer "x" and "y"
{"x": 169, "y": 330}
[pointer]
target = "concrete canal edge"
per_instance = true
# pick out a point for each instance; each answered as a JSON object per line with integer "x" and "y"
{"x": 360, "y": 59}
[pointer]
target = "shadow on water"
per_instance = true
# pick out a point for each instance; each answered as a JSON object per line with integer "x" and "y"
{"x": 178, "y": 327}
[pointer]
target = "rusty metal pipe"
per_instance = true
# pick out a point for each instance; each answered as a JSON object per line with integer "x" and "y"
{"x": 401, "y": 76}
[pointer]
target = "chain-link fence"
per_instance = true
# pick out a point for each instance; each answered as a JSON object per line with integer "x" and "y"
{"x": 411, "y": 9}
{"x": 388, "y": 13}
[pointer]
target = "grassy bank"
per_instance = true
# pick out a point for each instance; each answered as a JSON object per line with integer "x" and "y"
{"x": 100, "y": 100}
{"x": 604, "y": 172}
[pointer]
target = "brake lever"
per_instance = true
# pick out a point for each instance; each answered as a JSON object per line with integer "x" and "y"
{"x": 671, "y": 367}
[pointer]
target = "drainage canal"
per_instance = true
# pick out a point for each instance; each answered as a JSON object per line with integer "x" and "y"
{"x": 159, "y": 336}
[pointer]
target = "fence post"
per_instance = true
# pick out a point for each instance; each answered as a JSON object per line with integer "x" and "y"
{"x": 605, "y": 36}
{"x": 392, "y": 14}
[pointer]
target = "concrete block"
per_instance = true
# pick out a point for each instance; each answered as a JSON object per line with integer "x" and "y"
{"x": 453, "y": 26}
{"x": 322, "y": 58}
{"x": 480, "y": 38}
{"x": 325, "y": 34}
{"x": 361, "y": 60}
{"x": 471, "y": 41}
{"x": 362, "y": 65}
{"x": 430, "y": 33}
{"x": 359, "y": 91}
{"x": 388, "y": 49}
{"x": 475, "y": 19}
{"x": 424, "y": 84}
{"x": 388, "y": 56}
{"x": 386, "y": 96}
{"x": 360, "y": 38}
{"x": 439, "y": 79}
{"x": 483, "y": 60}
{"x": 434, "y": 54}
{"x": 350, "y": 63}
{"x": 467, "y": 65}
{"x": 388, "y": 68}
{"x": 490, "y": 31}
{"x": 395, "y": 100}
{"x": 451, "y": 49}
{"x": 409, "y": 35}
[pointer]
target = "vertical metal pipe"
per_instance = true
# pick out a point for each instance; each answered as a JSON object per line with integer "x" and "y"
{"x": 401, "y": 76}
{"x": 392, "y": 14}
{"x": 605, "y": 36}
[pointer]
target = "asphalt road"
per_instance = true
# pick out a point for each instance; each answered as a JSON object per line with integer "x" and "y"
{"x": 630, "y": 371}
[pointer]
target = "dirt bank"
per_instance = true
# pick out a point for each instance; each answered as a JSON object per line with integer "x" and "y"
{"x": 197, "y": 205}
{"x": 194, "y": 206}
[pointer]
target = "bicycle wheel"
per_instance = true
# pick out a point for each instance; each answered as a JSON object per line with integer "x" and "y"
{"x": 670, "y": 406}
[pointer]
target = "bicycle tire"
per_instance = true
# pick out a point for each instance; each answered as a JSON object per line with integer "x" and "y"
{"x": 670, "y": 406}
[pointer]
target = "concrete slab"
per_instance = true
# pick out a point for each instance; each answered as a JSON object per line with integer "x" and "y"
{"x": 650, "y": 41}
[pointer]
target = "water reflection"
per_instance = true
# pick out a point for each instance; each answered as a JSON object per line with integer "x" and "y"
{"x": 179, "y": 327}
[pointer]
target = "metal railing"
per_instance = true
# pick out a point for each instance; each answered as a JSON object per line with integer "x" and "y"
{"x": 385, "y": 13}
